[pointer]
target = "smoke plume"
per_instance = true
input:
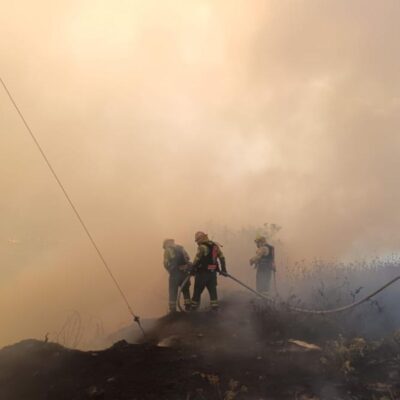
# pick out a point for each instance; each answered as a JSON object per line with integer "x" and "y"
{"x": 162, "y": 118}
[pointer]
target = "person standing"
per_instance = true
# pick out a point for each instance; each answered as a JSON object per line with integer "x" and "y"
{"x": 264, "y": 262}
{"x": 208, "y": 262}
{"x": 177, "y": 263}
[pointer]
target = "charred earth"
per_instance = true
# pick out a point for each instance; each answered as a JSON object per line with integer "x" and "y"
{"x": 247, "y": 350}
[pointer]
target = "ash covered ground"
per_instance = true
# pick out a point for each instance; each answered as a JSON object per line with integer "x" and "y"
{"x": 247, "y": 350}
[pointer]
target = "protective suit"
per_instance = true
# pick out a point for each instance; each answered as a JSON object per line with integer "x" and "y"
{"x": 177, "y": 263}
{"x": 264, "y": 262}
{"x": 209, "y": 261}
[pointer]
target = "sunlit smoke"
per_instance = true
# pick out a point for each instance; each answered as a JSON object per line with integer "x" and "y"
{"x": 163, "y": 117}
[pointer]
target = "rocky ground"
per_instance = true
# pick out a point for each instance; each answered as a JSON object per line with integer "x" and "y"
{"x": 245, "y": 351}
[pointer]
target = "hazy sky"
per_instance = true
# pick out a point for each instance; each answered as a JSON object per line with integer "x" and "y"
{"x": 162, "y": 117}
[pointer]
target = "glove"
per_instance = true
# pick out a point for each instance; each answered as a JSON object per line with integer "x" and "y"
{"x": 223, "y": 273}
{"x": 192, "y": 270}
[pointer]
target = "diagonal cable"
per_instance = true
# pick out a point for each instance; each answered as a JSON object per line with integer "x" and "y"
{"x": 55, "y": 176}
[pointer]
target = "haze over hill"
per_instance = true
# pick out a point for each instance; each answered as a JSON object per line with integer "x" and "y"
{"x": 163, "y": 118}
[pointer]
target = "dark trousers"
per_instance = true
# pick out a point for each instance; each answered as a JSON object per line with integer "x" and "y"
{"x": 175, "y": 280}
{"x": 205, "y": 279}
{"x": 263, "y": 278}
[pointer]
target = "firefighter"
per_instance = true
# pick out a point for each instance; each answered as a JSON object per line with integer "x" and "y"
{"x": 264, "y": 262}
{"x": 208, "y": 262}
{"x": 177, "y": 263}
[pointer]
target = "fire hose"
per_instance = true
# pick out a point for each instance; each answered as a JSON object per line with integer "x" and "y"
{"x": 181, "y": 286}
{"x": 292, "y": 308}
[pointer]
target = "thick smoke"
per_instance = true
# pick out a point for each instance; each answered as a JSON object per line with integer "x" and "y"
{"x": 163, "y": 117}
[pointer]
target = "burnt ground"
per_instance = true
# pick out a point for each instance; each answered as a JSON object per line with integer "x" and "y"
{"x": 244, "y": 351}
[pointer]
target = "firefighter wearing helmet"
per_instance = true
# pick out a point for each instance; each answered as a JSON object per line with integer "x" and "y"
{"x": 264, "y": 262}
{"x": 177, "y": 263}
{"x": 208, "y": 262}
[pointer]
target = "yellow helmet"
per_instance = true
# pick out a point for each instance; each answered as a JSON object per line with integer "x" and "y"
{"x": 260, "y": 239}
{"x": 200, "y": 237}
{"x": 168, "y": 242}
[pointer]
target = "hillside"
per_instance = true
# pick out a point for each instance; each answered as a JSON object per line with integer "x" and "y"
{"x": 246, "y": 351}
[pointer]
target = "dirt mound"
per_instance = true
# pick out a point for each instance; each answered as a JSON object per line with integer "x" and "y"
{"x": 35, "y": 370}
{"x": 242, "y": 352}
